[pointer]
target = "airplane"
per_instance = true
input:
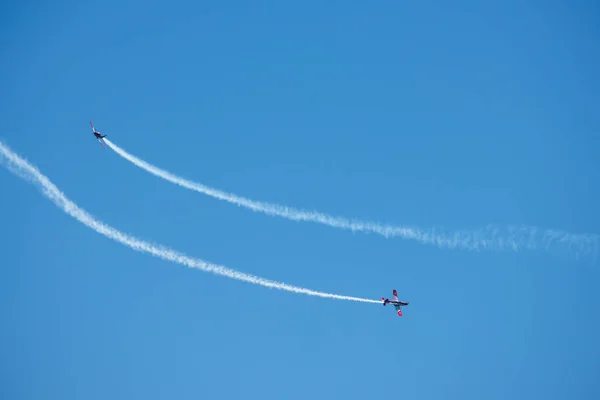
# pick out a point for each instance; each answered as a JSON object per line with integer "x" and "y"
{"x": 397, "y": 303}
{"x": 98, "y": 135}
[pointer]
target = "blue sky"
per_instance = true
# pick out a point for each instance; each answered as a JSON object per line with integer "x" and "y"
{"x": 455, "y": 114}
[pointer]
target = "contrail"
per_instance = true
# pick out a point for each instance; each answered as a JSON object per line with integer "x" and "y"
{"x": 25, "y": 170}
{"x": 489, "y": 238}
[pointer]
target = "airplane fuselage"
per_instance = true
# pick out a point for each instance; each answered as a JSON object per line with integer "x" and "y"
{"x": 395, "y": 302}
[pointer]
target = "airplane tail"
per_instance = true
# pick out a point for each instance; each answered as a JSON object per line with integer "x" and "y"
{"x": 383, "y": 300}
{"x": 399, "y": 312}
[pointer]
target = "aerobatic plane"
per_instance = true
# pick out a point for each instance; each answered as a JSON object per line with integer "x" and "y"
{"x": 397, "y": 303}
{"x": 98, "y": 135}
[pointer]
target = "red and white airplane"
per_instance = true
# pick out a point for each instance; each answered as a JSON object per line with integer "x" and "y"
{"x": 98, "y": 135}
{"x": 397, "y": 303}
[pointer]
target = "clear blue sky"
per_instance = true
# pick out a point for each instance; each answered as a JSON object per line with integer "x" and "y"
{"x": 433, "y": 113}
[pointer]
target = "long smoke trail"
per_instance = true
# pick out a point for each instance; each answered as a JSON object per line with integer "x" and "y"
{"x": 490, "y": 238}
{"x": 28, "y": 172}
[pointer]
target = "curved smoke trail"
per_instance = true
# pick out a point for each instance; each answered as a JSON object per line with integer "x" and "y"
{"x": 490, "y": 238}
{"x": 27, "y": 171}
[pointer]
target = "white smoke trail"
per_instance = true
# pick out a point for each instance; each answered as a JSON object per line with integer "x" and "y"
{"x": 27, "y": 171}
{"x": 489, "y": 238}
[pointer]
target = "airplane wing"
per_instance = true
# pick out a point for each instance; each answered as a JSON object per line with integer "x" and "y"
{"x": 101, "y": 144}
{"x": 92, "y": 125}
{"x": 398, "y": 309}
{"x": 395, "y": 295}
